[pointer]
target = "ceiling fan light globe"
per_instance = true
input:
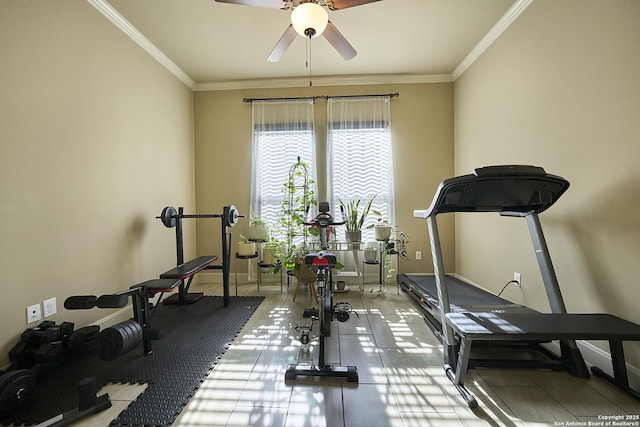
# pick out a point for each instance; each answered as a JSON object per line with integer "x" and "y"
{"x": 309, "y": 19}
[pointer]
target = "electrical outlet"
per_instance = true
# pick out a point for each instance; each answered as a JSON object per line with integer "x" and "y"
{"x": 49, "y": 307}
{"x": 516, "y": 278}
{"x": 418, "y": 255}
{"x": 34, "y": 313}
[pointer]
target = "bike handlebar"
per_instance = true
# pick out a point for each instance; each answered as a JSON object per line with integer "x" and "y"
{"x": 324, "y": 219}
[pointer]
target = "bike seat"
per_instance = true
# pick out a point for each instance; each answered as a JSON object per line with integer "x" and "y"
{"x": 320, "y": 259}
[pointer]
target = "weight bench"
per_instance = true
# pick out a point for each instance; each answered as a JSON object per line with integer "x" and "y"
{"x": 181, "y": 276}
{"x": 478, "y": 327}
{"x": 171, "y": 218}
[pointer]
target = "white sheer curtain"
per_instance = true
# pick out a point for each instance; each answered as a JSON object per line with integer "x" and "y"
{"x": 282, "y": 131}
{"x": 360, "y": 163}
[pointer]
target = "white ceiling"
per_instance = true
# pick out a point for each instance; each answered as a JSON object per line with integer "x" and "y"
{"x": 216, "y": 43}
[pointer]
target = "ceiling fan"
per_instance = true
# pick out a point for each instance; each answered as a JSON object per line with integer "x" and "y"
{"x": 309, "y": 18}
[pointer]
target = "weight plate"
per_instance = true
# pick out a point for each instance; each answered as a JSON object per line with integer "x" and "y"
{"x": 230, "y": 216}
{"x": 131, "y": 327}
{"x": 119, "y": 339}
{"x": 15, "y": 388}
{"x": 168, "y": 216}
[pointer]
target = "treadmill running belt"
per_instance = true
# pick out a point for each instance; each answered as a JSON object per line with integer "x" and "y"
{"x": 461, "y": 294}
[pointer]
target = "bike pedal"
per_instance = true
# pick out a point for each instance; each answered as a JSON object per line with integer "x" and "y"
{"x": 310, "y": 312}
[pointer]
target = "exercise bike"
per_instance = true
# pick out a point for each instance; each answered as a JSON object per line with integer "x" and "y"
{"x": 322, "y": 263}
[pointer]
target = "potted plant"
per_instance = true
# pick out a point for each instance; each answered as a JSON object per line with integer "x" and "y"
{"x": 382, "y": 228}
{"x": 382, "y": 231}
{"x": 298, "y": 197}
{"x": 370, "y": 254}
{"x": 258, "y": 229}
{"x": 394, "y": 245}
{"x": 246, "y": 247}
{"x": 271, "y": 252}
{"x": 354, "y": 219}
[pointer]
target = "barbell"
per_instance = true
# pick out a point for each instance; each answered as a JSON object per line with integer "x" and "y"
{"x": 170, "y": 215}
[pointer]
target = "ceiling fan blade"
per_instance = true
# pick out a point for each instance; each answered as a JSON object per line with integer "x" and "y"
{"x": 270, "y": 4}
{"x": 344, "y": 4}
{"x": 338, "y": 42}
{"x": 282, "y": 45}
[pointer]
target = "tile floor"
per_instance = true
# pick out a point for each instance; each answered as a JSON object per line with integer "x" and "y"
{"x": 401, "y": 381}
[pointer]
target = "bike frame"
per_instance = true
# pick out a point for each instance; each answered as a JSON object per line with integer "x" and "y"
{"x": 323, "y": 263}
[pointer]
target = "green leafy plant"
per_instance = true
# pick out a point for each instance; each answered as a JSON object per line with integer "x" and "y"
{"x": 396, "y": 245}
{"x": 259, "y": 230}
{"x": 256, "y": 220}
{"x": 354, "y": 219}
{"x": 272, "y": 253}
{"x": 273, "y": 243}
{"x": 380, "y": 220}
{"x": 290, "y": 231}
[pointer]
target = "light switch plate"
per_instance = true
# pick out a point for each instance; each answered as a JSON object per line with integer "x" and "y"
{"x": 34, "y": 313}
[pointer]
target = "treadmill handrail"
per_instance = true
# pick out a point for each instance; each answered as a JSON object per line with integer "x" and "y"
{"x": 511, "y": 190}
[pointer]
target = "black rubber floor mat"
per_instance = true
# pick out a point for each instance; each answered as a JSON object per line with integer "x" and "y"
{"x": 194, "y": 338}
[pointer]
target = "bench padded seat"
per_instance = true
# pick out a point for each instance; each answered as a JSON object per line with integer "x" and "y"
{"x": 189, "y": 268}
{"x": 158, "y": 285}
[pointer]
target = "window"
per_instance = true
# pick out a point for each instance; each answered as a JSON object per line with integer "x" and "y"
{"x": 360, "y": 164}
{"x": 282, "y": 132}
{"x": 358, "y": 154}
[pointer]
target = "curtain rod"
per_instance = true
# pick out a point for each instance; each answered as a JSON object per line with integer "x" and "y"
{"x": 391, "y": 95}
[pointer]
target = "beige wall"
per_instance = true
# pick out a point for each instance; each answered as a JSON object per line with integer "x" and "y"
{"x": 95, "y": 139}
{"x": 422, "y": 128}
{"x": 560, "y": 89}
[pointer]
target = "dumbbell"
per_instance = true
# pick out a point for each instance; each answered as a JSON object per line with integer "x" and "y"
{"x": 83, "y": 340}
{"x": 46, "y": 332}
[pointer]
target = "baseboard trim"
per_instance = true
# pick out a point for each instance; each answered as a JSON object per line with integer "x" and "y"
{"x": 595, "y": 356}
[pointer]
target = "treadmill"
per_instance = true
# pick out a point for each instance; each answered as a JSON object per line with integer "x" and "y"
{"x": 515, "y": 191}
{"x": 465, "y": 317}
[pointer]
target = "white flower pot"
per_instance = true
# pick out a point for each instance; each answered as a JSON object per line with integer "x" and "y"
{"x": 268, "y": 256}
{"x": 258, "y": 232}
{"x": 354, "y": 236}
{"x": 382, "y": 232}
{"x": 370, "y": 255}
{"x": 246, "y": 249}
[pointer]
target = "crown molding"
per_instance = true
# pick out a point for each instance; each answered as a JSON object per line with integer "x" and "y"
{"x": 126, "y": 27}
{"x": 503, "y": 23}
{"x": 324, "y": 81}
